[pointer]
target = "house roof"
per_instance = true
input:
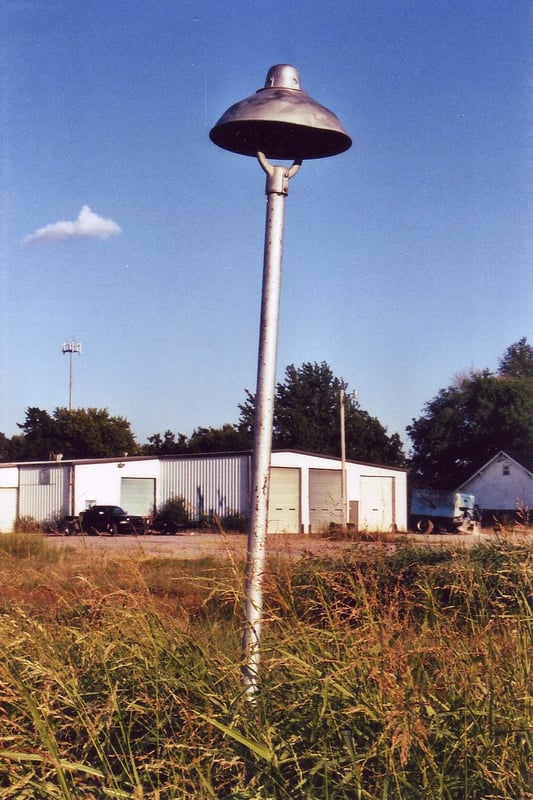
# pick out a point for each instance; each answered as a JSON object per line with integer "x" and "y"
{"x": 523, "y": 458}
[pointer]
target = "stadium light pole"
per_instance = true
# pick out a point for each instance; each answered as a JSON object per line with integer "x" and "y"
{"x": 281, "y": 122}
{"x": 70, "y": 348}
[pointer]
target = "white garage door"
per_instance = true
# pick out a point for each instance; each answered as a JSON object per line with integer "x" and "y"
{"x": 376, "y": 507}
{"x": 137, "y": 495}
{"x": 284, "y": 500}
{"x": 325, "y": 504}
{"x": 8, "y": 509}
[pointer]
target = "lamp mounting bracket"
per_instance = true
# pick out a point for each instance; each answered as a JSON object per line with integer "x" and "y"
{"x": 278, "y": 176}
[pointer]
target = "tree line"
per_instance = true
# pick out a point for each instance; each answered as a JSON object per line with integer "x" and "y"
{"x": 460, "y": 429}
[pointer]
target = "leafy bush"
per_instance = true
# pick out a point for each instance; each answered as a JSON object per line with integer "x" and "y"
{"x": 175, "y": 511}
{"x": 235, "y": 522}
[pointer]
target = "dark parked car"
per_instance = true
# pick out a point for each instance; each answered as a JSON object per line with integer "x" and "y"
{"x": 111, "y": 519}
{"x": 104, "y": 519}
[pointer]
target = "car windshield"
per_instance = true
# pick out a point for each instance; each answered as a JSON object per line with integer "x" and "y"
{"x": 118, "y": 511}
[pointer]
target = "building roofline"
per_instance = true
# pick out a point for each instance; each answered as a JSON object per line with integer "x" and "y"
{"x": 59, "y": 461}
{"x": 183, "y": 456}
{"x": 338, "y": 458}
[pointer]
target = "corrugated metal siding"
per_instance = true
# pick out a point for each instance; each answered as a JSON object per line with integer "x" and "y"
{"x": 209, "y": 484}
{"x": 43, "y": 492}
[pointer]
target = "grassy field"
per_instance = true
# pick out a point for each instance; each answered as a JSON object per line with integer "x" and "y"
{"x": 400, "y": 675}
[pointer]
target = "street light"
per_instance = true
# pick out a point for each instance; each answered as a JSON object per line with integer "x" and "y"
{"x": 279, "y": 121}
{"x": 70, "y": 347}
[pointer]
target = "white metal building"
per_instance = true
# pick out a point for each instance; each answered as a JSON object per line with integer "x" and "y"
{"x": 305, "y": 493}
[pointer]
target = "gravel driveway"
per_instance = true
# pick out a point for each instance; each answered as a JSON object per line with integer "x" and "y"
{"x": 198, "y": 545}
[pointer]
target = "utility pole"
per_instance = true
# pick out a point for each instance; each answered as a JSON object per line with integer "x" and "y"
{"x": 342, "y": 400}
{"x": 70, "y": 348}
{"x": 344, "y": 492}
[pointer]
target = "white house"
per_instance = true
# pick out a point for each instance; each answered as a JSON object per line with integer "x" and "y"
{"x": 503, "y": 484}
{"x": 306, "y": 492}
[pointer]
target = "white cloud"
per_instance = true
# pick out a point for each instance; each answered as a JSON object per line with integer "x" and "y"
{"x": 88, "y": 226}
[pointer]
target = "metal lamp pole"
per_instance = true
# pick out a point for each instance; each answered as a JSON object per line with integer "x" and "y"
{"x": 277, "y": 187}
{"x": 282, "y": 122}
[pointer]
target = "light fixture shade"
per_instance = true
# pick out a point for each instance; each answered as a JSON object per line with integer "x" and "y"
{"x": 281, "y": 121}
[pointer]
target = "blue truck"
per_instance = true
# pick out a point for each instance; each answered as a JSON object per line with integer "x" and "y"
{"x": 437, "y": 511}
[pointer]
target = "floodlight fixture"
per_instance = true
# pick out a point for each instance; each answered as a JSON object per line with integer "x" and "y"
{"x": 71, "y": 348}
{"x": 281, "y": 121}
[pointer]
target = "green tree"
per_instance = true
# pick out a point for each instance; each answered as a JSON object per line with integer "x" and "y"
{"x": 227, "y": 438}
{"x": 93, "y": 433}
{"x": 5, "y": 447}
{"x": 467, "y": 423}
{"x": 517, "y": 361}
{"x": 77, "y": 433}
{"x": 307, "y": 417}
{"x": 165, "y": 445}
{"x": 38, "y": 438}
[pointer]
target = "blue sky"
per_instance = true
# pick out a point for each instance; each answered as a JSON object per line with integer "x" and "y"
{"x": 407, "y": 259}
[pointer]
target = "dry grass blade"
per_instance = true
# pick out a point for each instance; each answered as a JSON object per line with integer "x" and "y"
{"x": 403, "y": 674}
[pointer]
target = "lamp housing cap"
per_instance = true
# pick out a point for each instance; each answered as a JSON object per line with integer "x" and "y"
{"x": 281, "y": 121}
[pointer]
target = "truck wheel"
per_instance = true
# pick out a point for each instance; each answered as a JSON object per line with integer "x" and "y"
{"x": 424, "y": 526}
{"x": 112, "y": 529}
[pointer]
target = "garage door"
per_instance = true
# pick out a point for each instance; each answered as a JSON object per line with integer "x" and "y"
{"x": 284, "y": 500}
{"x": 137, "y": 495}
{"x": 376, "y": 507}
{"x": 8, "y": 509}
{"x": 325, "y": 504}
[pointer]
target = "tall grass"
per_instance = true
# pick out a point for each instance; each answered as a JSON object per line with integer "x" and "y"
{"x": 390, "y": 675}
